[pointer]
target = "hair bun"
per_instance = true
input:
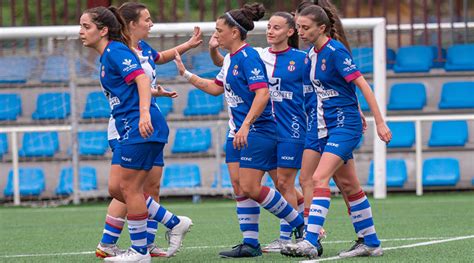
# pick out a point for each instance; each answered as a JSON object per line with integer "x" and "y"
{"x": 254, "y": 11}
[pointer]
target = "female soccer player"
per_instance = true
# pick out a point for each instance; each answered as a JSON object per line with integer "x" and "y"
{"x": 251, "y": 145}
{"x": 138, "y": 20}
{"x": 142, "y": 128}
{"x": 284, "y": 64}
{"x": 335, "y": 76}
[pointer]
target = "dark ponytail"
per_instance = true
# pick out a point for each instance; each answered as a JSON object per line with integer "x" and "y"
{"x": 293, "y": 40}
{"x": 110, "y": 18}
{"x": 243, "y": 18}
{"x": 130, "y": 11}
{"x": 336, "y": 29}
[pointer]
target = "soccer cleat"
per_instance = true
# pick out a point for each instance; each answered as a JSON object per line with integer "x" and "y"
{"x": 362, "y": 250}
{"x": 108, "y": 250}
{"x": 131, "y": 255}
{"x": 176, "y": 234}
{"x": 302, "y": 249}
{"x": 360, "y": 240}
{"x": 242, "y": 251}
{"x": 299, "y": 232}
{"x": 275, "y": 246}
{"x": 155, "y": 251}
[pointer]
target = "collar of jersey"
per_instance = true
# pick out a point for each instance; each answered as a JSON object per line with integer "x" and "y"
{"x": 105, "y": 49}
{"x": 238, "y": 50}
{"x": 279, "y": 52}
{"x": 325, "y": 44}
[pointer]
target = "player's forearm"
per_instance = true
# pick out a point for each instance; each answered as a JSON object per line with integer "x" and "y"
{"x": 216, "y": 57}
{"x": 206, "y": 85}
{"x": 370, "y": 98}
{"x": 259, "y": 103}
{"x": 168, "y": 55}
{"x": 144, "y": 91}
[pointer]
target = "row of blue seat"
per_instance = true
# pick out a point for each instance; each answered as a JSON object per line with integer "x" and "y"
{"x": 418, "y": 58}
{"x": 436, "y": 172}
{"x": 199, "y": 140}
{"x": 58, "y": 105}
{"x": 412, "y": 96}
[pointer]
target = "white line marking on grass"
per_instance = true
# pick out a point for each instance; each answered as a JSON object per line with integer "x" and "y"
{"x": 436, "y": 240}
{"x": 428, "y": 243}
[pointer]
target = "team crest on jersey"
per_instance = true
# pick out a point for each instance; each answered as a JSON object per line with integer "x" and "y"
{"x": 235, "y": 71}
{"x": 323, "y": 64}
{"x": 291, "y": 67}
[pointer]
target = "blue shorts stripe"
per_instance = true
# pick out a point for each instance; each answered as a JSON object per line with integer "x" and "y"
{"x": 248, "y": 210}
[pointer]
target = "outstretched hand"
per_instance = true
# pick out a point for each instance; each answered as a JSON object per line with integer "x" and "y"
{"x": 159, "y": 91}
{"x": 179, "y": 63}
{"x": 213, "y": 43}
{"x": 196, "y": 38}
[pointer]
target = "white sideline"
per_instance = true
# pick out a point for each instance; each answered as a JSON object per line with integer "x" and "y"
{"x": 436, "y": 240}
{"x": 399, "y": 247}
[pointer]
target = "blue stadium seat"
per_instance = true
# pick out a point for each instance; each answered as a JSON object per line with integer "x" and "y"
{"x": 87, "y": 180}
{"x": 181, "y": 175}
{"x": 92, "y": 142}
{"x": 440, "y": 172}
{"x": 169, "y": 71}
{"x": 32, "y": 182}
{"x": 396, "y": 171}
{"x": 201, "y": 103}
{"x": 3, "y": 144}
{"x": 56, "y": 69}
{"x": 192, "y": 140}
{"x": 203, "y": 65}
{"x": 364, "y": 106}
{"x": 16, "y": 69}
{"x": 10, "y": 106}
{"x": 97, "y": 106}
{"x": 453, "y": 95}
{"x": 364, "y": 59}
{"x": 403, "y": 134}
{"x": 391, "y": 58}
{"x": 448, "y": 133}
{"x": 39, "y": 144}
{"x": 165, "y": 104}
{"x": 52, "y": 106}
{"x": 407, "y": 96}
{"x": 460, "y": 58}
{"x": 414, "y": 59}
{"x": 225, "y": 179}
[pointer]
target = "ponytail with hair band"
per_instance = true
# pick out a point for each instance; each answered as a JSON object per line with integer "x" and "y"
{"x": 123, "y": 34}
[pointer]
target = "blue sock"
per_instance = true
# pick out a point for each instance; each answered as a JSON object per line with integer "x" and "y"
{"x": 285, "y": 230}
{"x": 317, "y": 214}
{"x": 248, "y": 214}
{"x": 151, "y": 229}
{"x": 272, "y": 201}
{"x": 112, "y": 230}
{"x": 137, "y": 229}
{"x": 361, "y": 216}
{"x": 160, "y": 214}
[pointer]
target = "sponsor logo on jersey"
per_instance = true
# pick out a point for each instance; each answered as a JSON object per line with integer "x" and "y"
{"x": 323, "y": 93}
{"x": 348, "y": 63}
{"x": 295, "y": 127}
{"x": 256, "y": 75}
{"x": 291, "y": 67}
{"x": 235, "y": 71}
{"x": 276, "y": 94}
{"x": 231, "y": 98}
{"x": 127, "y": 129}
{"x": 129, "y": 65}
{"x": 113, "y": 101}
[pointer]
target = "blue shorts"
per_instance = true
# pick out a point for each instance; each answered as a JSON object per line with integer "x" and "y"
{"x": 117, "y": 154}
{"x": 311, "y": 142}
{"x": 290, "y": 154}
{"x": 140, "y": 156}
{"x": 261, "y": 153}
{"x": 340, "y": 144}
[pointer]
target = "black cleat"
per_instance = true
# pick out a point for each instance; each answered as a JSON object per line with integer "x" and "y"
{"x": 242, "y": 251}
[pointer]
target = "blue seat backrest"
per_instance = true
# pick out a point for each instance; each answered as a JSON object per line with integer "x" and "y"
{"x": 414, "y": 59}
{"x": 407, "y": 96}
{"x": 192, "y": 140}
{"x": 457, "y": 95}
{"x": 459, "y": 58}
{"x": 448, "y": 133}
{"x": 52, "y": 106}
{"x": 87, "y": 180}
{"x": 182, "y": 175}
{"x": 92, "y": 142}
{"x": 165, "y": 104}
{"x": 441, "y": 172}
{"x": 396, "y": 173}
{"x": 3, "y": 144}
{"x": 403, "y": 134}
{"x": 225, "y": 177}
{"x": 97, "y": 106}
{"x": 201, "y": 103}
{"x": 31, "y": 181}
{"x": 39, "y": 144}
{"x": 10, "y": 106}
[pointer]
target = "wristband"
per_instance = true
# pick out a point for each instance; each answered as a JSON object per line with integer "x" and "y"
{"x": 187, "y": 75}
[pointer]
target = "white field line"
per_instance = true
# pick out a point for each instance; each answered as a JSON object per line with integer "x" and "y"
{"x": 210, "y": 247}
{"x": 428, "y": 243}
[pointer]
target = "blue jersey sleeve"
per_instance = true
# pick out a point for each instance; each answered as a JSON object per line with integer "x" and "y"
{"x": 155, "y": 55}
{"x": 345, "y": 65}
{"x": 126, "y": 62}
{"x": 254, "y": 71}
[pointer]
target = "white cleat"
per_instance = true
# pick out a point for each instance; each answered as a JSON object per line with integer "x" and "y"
{"x": 108, "y": 250}
{"x": 275, "y": 246}
{"x": 176, "y": 235}
{"x": 131, "y": 255}
{"x": 155, "y": 251}
{"x": 362, "y": 250}
{"x": 302, "y": 249}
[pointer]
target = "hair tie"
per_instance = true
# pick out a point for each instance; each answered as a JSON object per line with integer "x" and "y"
{"x": 235, "y": 22}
